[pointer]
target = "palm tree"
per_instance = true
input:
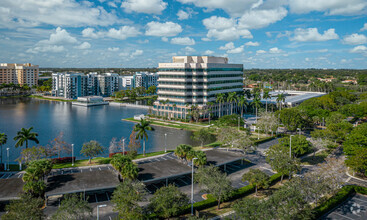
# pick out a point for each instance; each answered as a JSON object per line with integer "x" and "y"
{"x": 266, "y": 96}
{"x": 142, "y": 129}
{"x": 241, "y": 102}
{"x": 174, "y": 110}
{"x": 220, "y": 99}
{"x": 3, "y": 140}
{"x": 257, "y": 103}
{"x": 182, "y": 150}
{"x": 25, "y": 135}
{"x": 280, "y": 99}
{"x": 129, "y": 171}
{"x": 201, "y": 158}
{"x": 187, "y": 107}
{"x": 231, "y": 98}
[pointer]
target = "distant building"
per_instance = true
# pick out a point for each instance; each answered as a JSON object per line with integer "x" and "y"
{"x": 74, "y": 85}
{"x": 126, "y": 82}
{"x": 350, "y": 81}
{"x": 21, "y": 74}
{"x": 196, "y": 80}
{"x": 145, "y": 79}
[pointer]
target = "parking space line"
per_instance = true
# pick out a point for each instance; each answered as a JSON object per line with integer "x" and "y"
{"x": 342, "y": 215}
{"x": 183, "y": 181}
{"x": 81, "y": 170}
{"x": 109, "y": 167}
{"x": 154, "y": 186}
{"x": 95, "y": 195}
{"x": 10, "y": 174}
{"x": 365, "y": 201}
{"x": 19, "y": 175}
{"x": 242, "y": 184}
{"x": 99, "y": 168}
{"x": 108, "y": 198}
{"x": 90, "y": 169}
{"x": 2, "y": 176}
{"x": 238, "y": 167}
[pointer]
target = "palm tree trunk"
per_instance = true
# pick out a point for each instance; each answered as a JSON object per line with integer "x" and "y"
{"x": 26, "y": 144}
{"x": 266, "y": 105}
{"x": 256, "y": 115}
{"x": 144, "y": 147}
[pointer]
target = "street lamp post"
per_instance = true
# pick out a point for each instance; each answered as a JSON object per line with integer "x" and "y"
{"x": 165, "y": 143}
{"x": 258, "y": 133}
{"x": 100, "y": 206}
{"x": 192, "y": 186}
{"x": 209, "y": 118}
{"x": 7, "y": 153}
{"x": 123, "y": 146}
{"x": 290, "y": 146}
{"x": 298, "y": 129}
{"x": 72, "y": 154}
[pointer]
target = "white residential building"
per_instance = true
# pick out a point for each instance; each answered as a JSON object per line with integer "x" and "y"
{"x": 126, "y": 82}
{"x": 196, "y": 80}
{"x": 145, "y": 79}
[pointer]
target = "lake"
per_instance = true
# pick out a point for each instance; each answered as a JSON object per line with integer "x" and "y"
{"x": 79, "y": 125}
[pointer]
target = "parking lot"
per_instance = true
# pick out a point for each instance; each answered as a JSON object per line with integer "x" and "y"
{"x": 352, "y": 209}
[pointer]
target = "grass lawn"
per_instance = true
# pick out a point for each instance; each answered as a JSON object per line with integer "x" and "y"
{"x": 313, "y": 160}
{"x": 170, "y": 124}
{"x": 101, "y": 160}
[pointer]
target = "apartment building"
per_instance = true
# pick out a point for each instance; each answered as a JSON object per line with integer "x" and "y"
{"x": 195, "y": 81}
{"x": 126, "y": 82}
{"x": 74, "y": 85}
{"x": 145, "y": 79}
{"x": 21, "y": 74}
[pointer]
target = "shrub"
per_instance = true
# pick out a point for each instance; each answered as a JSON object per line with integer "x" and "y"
{"x": 62, "y": 160}
{"x": 111, "y": 154}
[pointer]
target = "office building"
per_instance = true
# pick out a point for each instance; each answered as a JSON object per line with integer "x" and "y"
{"x": 195, "y": 81}
{"x": 20, "y": 74}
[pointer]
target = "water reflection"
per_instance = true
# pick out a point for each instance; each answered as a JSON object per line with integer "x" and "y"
{"x": 79, "y": 124}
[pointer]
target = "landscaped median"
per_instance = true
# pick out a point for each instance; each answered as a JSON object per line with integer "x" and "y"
{"x": 170, "y": 124}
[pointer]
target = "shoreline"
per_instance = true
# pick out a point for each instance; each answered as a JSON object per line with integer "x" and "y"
{"x": 178, "y": 126}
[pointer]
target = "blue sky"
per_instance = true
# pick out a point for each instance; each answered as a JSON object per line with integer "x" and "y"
{"x": 142, "y": 33}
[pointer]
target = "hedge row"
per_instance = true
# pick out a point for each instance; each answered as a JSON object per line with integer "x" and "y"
{"x": 343, "y": 194}
{"x": 62, "y": 160}
{"x": 110, "y": 155}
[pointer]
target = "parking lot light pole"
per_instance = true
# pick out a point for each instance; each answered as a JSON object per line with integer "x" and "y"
{"x": 100, "y": 206}
{"x": 209, "y": 118}
{"x": 165, "y": 143}
{"x": 72, "y": 154}
{"x": 239, "y": 123}
{"x": 192, "y": 186}
{"x": 290, "y": 146}
{"x": 7, "y": 153}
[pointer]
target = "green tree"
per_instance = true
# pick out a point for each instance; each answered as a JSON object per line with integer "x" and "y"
{"x": 73, "y": 207}
{"x": 257, "y": 178}
{"x": 126, "y": 199}
{"x": 280, "y": 99}
{"x": 300, "y": 145}
{"x": 358, "y": 161}
{"x": 242, "y": 101}
{"x": 278, "y": 158}
{"x": 91, "y": 149}
{"x": 168, "y": 201}
{"x": 141, "y": 129}
{"x": 256, "y": 102}
{"x": 356, "y": 140}
{"x": 118, "y": 161}
{"x": 203, "y": 135}
{"x": 182, "y": 150}
{"x": 234, "y": 138}
{"x": 232, "y": 98}
{"x": 129, "y": 171}
{"x": 34, "y": 177}
{"x": 3, "y": 140}
{"x": 213, "y": 181}
{"x": 252, "y": 209}
{"x": 25, "y": 135}
{"x": 292, "y": 119}
{"x": 26, "y": 207}
{"x": 32, "y": 153}
{"x": 201, "y": 158}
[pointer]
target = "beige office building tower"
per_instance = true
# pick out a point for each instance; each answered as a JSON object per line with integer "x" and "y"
{"x": 21, "y": 74}
{"x": 195, "y": 81}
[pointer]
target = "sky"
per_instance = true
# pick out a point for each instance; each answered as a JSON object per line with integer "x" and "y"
{"x": 142, "y": 33}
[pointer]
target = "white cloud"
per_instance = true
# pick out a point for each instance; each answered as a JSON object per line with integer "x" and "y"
{"x": 312, "y": 34}
{"x": 144, "y": 6}
{"x": 307, "y": 59}
{"x": 359, "y": 49}
{"x": 209, "y": 52}
{"x": 30, "y": 13}
{"x": 130, "y": 55}
{"x": 205, "y": 39}
{"x": 137, "y": 53}
{"x": 252, "y": 44}
{"x": 83, "y": 46}
{"x": 227, "y": 46}
{"x": 182, "y": 15}
{"x": 233, "y": 7}
{"x": 46, "y": 48}
{"x": 143, "y": 41}
{"x": 89, "y": 32}
{"x": 167, "y": 29}
{"x": 275, "y": 50}
{"x": 183, "y": 41}
{"x": 189, "y": 50}
{"x": 236, "y": 50}
{"x": 123, "y": 33}
{"x": 255, "y": 19}
{"x": 164, "y": 39}
{"x": 221, "y": 28}
{"x": 113, "y": 49}
{"x": 61, "y": 36}
{"x": 364, "y": 28}
{"x": 260, "y": 51}
{"x": 355, "y": 39}
{"x": 330, "y": 7}
{"x": 112, "y": 4}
